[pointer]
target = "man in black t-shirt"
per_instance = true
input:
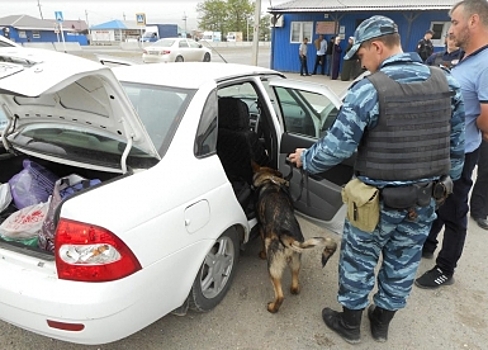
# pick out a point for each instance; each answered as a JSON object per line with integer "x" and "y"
{"x": 425, "y": 48}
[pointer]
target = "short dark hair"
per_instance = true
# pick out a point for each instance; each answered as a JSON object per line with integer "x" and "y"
{"x": 472, "y": 7}
{"x": 389, "y": 40}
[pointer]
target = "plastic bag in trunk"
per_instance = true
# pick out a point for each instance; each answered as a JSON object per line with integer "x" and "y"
{"x": 32, "y": 185}
{"x": 63, "y": 188}
{"x": 24, "y": 225}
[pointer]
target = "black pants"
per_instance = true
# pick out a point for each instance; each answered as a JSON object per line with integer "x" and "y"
{"x": 453, "y": 216}
{"x": 319, "y": 60}
{"x": 479, "y": 196}
{"x": 303, "y": 65}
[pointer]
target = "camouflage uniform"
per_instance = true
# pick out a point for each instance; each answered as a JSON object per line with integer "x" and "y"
{"x": 399, "y": 238}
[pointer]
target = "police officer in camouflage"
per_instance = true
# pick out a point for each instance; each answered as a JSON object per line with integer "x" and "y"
{"x": 406, "y": 121}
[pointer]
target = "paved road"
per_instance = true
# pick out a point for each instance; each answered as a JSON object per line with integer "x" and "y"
{"x": 454, "y": 317}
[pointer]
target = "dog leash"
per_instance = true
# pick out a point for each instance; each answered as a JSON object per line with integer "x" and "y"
{"x": 303, "y": 182}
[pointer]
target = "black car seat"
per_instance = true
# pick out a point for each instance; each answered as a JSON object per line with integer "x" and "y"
{"x": 234, "y": 115}
{"x": 234, "y": 147}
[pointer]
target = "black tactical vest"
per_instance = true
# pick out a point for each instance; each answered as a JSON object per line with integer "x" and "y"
{"x": 412, "y": 138}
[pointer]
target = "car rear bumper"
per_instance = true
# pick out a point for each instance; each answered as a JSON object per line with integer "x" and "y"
{"x": 106, "y": 311}
{"x": 146, "y": 58}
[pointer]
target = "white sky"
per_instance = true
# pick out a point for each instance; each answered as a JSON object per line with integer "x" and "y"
{"x": 159, "y": 11}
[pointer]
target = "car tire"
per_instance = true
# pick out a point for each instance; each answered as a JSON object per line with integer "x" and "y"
{"x": 206, "y": 57}
{"x": 179, "y": 59}
{"x": 216, "y": 273}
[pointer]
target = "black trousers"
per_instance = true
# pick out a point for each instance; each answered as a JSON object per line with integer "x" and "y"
{"x": 453, "y": 216}
{"x": 479, "y": 196}
{"x": 319, "y": 60}
{"x": 303, "y": 65}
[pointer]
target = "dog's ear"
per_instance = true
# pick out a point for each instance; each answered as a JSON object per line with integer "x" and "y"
{"x": 255, "y": 166}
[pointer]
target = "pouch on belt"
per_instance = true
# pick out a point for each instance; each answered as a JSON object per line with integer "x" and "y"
{"x": 363, "y": 205}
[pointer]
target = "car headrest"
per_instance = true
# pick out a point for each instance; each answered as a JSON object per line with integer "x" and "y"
{"x": 233, "y": 114}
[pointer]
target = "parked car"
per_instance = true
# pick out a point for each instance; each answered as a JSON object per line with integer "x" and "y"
{"x": 163, "y": 231}
{"x": 176, "y": 50}
{"x": 4, "y": 42}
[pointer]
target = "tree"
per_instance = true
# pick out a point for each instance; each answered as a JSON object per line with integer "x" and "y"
{"x": 264, "y": 28}
{"x": 225, "y": 15}
{"x": 239, "y": 11}
{"x": 213, "y": 15}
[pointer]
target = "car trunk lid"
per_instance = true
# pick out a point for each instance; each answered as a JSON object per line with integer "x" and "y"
{"x": 52, "y": 88}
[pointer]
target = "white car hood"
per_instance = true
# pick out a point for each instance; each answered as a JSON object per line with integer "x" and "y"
{"x": 42, "y": 86}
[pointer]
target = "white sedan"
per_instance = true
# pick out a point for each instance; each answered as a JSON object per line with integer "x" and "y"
{"x": 163, "y": 230}
{"x": 176, "y": 50}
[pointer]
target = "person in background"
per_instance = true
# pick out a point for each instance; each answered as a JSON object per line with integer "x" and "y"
{"x": 479, "y": 196}
{"x": 425, "y": 48}
{"x": 336, "y": 58}
{"x": 328, "y": 55}
{"x": 321, "y": 46}
{"x": 469, "y": 30}
{"x": 447, "y": 58}
{"x": 424, "y": 143}
{"x": 350, "y": 67}
{"x": 302, "y": 53}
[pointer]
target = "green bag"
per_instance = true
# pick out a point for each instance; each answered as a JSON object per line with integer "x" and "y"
{"x": 363, "y": 205}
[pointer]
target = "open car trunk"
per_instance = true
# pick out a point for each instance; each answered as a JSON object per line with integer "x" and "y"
{"x": 10, "y": 165}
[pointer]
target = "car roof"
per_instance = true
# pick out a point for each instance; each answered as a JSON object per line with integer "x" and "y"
{"x": 187, "y": 75}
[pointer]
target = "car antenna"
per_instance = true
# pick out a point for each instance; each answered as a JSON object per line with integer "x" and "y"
{"x": 218, "y": 53}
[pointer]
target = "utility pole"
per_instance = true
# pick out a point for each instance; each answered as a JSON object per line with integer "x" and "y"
{"x": 123, "y": 15}
{"x": 86, "y": 16}
{"x": 184, "y": 19}
{"x": 40, "y": 10}
{"x": 255, "y": 39}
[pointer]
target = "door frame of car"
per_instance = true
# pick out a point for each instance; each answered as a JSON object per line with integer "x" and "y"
{"x": 318, "y": 196}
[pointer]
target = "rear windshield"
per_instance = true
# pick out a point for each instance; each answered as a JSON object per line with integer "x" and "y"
{"x": 80, "y": 145}
{"x": 160, "y": 109}
{"x": 164, "y": 43}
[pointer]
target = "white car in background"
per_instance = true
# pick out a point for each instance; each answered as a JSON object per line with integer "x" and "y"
{"x": 176, "y": 50}
{"x": 164, "y": 229}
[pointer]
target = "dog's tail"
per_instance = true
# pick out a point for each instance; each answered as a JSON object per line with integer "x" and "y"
{"x": 329, "y": 245}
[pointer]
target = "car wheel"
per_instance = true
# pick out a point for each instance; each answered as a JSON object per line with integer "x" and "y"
{"x": 216, "y": 273}
{"x": 206, "y": 57}
{"x": 179, "y": 59}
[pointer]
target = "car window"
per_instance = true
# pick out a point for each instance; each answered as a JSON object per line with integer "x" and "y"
{"x": 304, "y": 112}
{"x": 194, "y": 44}
{"x": 206, "y": 138}
{"x": 183, "y": 43}
{"x": 160, "y": 109}
{"x": 78, "y": 144}
{"x": 164, "y": 43}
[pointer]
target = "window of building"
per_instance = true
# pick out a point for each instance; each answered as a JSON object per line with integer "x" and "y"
{"x": 440, "y": 30}
{"x": 36, "y": 35}
{"x": 301, "y": 30}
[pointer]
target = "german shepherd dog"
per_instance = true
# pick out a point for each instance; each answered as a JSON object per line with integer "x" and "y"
{"x": 282, "y": 238}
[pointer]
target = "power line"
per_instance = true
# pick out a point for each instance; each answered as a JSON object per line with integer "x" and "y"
{"x": 40, "y": 10}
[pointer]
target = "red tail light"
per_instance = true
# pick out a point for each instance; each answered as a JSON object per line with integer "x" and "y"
{"x": 144, "y": 51}
{"x": 165, "y": 52}
{"x": 92, "y": 254}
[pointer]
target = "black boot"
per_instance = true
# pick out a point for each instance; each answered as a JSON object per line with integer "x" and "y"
{"x": 379, "y": 320}
{"x": 346, "y": 324}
